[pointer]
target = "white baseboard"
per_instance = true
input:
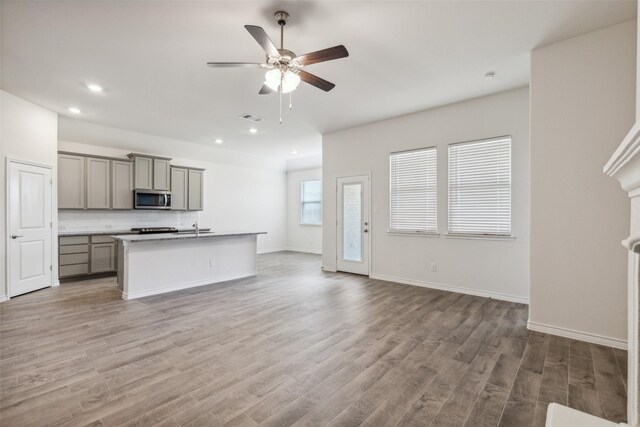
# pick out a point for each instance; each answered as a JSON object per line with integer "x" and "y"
{"x": 268, "y": 251}
{"x": 577, "y": 335}
{"x": 329, "y": 269}
{"x": 56, "y": 283}
{"x": 186, "y": 285}
{"x": 451, "y": 288}
{"x": 4, "y": 298}
{"x": 305, "y": 250}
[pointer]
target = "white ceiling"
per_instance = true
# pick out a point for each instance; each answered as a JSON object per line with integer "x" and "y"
{"x": 150, "y": 56}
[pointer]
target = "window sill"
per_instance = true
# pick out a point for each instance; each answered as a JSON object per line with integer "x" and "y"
{"x": 311, "y": 225}
{"x": 479, "y": 237}
{"x": 412, "y": 233}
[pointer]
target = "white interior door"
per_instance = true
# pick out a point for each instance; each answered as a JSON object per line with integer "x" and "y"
{"x": 29, "y": 228}
{"x": 353, "y": 224}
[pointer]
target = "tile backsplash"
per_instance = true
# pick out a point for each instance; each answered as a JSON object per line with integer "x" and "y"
{"x": 77, "y": 220}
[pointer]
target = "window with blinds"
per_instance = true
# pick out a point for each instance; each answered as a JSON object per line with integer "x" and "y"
{"x": 311, "y": 202}
{"x": 413, "y": 191}
{"x": 480, "y": 187}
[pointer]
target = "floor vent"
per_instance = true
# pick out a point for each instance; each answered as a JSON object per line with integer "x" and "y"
{"x": 251, "y": 117}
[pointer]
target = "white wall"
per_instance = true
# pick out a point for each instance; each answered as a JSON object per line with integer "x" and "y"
{"x": 28, "y": 132}
{"x": 301, "y": 238}
{"x": 236, "y": 197}
{"x": 582, "y": 105}
{"x": 486, "y": 267}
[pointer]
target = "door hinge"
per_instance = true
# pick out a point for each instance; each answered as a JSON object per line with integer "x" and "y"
{"x": 51, "y": 182}
{"x": 51, "y": 225}
{"x": 50, "y": 267}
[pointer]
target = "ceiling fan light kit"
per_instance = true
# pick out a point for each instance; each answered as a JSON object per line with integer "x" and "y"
{"x": 285, "y": 67}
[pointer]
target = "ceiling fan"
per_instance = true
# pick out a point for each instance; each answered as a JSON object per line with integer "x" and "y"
{"x": 284, "y": 67}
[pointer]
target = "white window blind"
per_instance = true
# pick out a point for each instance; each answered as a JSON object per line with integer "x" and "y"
{"x": 311, "y": 202}
{"x": 413, "y": 191}
{"x": 480, "y": 187}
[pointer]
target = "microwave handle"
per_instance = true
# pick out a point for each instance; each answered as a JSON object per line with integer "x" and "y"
{"x": 166, "y": 200}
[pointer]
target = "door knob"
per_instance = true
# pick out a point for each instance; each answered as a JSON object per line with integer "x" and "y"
{"x": 15, "y": 236}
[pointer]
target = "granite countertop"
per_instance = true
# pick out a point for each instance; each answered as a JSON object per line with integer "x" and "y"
{"x": 94, "y": 233}
{"x": 114, "y": 232}
{"x": 137, "y": 238}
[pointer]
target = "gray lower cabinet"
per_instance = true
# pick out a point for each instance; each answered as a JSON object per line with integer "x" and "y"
{"x": 73, "y": 256}
{"x": 195, "y": 202}
{"x": 86, "y": 255}
{"x": 98, "y": 183}
{"x": 103, "y": 257}
{"x": 121, "y": 184}
{"x": 71, "y": 182}
{"x": 179, "y": 188}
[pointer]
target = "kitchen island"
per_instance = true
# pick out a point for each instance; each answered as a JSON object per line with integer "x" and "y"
{"x": 157, "y": 263}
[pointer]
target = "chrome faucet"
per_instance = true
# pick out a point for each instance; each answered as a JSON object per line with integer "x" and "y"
{"x": 195, "y": 225}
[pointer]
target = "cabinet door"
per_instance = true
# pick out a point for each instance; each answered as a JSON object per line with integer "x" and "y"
{"x": 103, "y": 257}
{"x": 71, "y": 194}
{"x": 179, "y": 189}
{"x": 98, "y": 184}
{"x": 161, "y": 175}
{"x": 122, "y": 184}
{"x": 195, "y": 190}
{"x": 143, "y": 169}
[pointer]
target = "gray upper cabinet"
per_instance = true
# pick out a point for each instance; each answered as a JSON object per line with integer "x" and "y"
{"x": 179, "y": 188}
{"x": 71, "y": 182}
{"x": 161, "y": 175}
{"x": 98, "y": 183}
{"x": 143, "y": 172}
{"x": 121, "y": 184}
{"x": 195, "y": 190}
{"x": 151, "y": 172}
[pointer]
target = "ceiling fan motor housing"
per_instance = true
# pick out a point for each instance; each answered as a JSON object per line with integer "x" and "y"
{"x": 281, "y": 17}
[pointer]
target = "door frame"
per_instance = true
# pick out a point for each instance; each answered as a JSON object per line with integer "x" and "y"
{"x": 368, "y": 195}
{"x": 8, "y": 161}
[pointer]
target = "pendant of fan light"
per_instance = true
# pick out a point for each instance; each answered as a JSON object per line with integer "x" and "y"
{"x": 285, "y": 68}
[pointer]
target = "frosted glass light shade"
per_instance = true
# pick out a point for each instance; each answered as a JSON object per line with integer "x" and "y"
{"x": 290, "y": 81}
{"x": 272, "y": 79}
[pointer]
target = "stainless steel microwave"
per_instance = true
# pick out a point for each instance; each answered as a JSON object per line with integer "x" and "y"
{"x": 150, "y": 199}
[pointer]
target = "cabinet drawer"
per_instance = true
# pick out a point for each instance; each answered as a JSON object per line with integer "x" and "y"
{"x": 74, "y": 240}
{"x": 73, "y": 270}
{"x": 74, "y": 259}
{"x": 102, "y": 239}
{"x": 74, "y": 249}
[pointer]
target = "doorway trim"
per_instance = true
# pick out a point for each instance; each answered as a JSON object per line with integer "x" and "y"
{"x": 7, "y": 164}
{"x": 371, "y": 222}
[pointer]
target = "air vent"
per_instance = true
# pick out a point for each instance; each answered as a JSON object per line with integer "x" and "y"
{"x": 254, "y": 119}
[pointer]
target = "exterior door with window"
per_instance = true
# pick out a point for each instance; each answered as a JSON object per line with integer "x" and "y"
{"x": 353, "y": 225}
{"x": 29, "y": 228}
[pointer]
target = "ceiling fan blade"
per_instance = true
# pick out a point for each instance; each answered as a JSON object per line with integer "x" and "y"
{"x": 323, "y": 55}
{"x": 263, "y": 39}
{"x": 265, "y": 90}
{"x": 316, "y": 81}
{"x": 234, "y": 65}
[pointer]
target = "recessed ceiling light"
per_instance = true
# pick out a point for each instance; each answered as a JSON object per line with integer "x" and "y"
{"x": 74, "y": 110}
{"x": 218, "y": 141}
{"x": 253, "y": 130}
{"x": 94, "y": 88}
{"x": 294, "y": 151}
{"x": 489, "y": 75}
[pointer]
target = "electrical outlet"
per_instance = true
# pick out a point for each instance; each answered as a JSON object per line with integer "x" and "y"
{"x": 434, "y": 267}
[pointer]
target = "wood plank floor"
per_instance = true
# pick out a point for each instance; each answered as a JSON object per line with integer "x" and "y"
{"x": 292, "y": 346}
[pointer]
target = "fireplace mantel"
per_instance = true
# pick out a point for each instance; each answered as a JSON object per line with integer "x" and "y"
{"x": 624, "y": 165}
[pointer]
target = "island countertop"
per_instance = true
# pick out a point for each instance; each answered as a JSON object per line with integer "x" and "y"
{"x": 138, "y": 238}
